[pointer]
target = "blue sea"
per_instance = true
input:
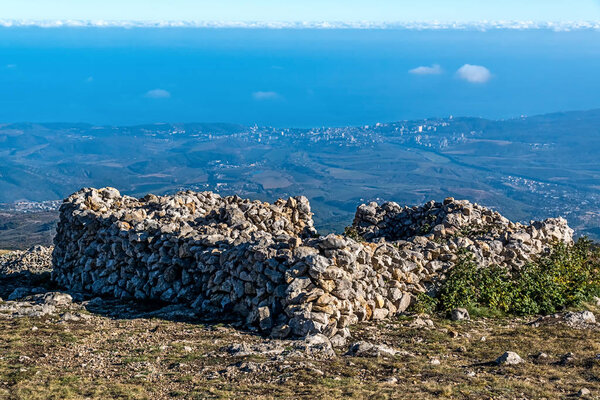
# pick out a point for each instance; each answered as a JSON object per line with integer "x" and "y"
{"x": 289, "y": 77}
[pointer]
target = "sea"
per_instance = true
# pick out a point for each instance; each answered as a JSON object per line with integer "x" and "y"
{"x": 290, "y": 77}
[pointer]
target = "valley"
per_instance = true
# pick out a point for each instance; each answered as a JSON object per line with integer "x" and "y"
{"x": 526, "y": 168}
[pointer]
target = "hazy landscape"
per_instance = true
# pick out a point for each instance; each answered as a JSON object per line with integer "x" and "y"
{"x": 528, "y": 168}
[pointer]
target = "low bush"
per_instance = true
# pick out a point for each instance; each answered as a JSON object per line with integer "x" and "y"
{"x": 565, "y": 278}
{"x": 424, "y": 304}
{"x": 352, "y": 233}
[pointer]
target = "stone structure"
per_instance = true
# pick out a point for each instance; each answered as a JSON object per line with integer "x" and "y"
{"x": 434, "y": 232}
{"x": 37, "y": 259}
{"x": 264, "y": 262}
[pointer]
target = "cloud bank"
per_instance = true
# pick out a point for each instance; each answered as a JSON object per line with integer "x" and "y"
{"x": 416, "y": 25}
{"x": 435, "y": 69}
{"x": 474, "y": 73}
{"x": 157, "y": 94}
{"x": 265, "y": 95}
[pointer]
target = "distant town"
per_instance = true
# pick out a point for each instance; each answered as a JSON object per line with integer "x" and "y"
{"x": 527, "y": 167}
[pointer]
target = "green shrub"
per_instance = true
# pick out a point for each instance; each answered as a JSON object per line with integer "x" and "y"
{"x": 469, "y": 286}
{"x": 352, "y": 233}
{"x": 424, "y": 304}
{"x": 565, "y": 278}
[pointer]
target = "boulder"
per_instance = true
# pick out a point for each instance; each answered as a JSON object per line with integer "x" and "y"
{"x": 509, "y": 358}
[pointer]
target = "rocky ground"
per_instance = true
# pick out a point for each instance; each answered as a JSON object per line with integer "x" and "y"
{"x": 56, "y": 345}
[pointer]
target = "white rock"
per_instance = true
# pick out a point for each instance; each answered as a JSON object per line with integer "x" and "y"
{"x": 509, "y": 358}
{"x": 460, "y": 314}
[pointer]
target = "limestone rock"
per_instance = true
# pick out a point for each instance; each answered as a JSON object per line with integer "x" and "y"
{"x": 583, "y": 392}
{"x": 460, "y": 314}
{"x": 366, "y": 349}
{"x": 509, "y": 358}
{"x": 580, "y": 318}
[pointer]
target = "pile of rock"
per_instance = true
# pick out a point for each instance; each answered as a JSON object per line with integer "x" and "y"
{"x": 262, "y": 261}
{"x": 37, "y": 259}
{"x": 432, "y": 234}
{"x": 34, "y": 305}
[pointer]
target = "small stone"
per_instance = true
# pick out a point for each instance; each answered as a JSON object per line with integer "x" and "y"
{"x": 366, "y": 349}
{"x": 69, "y": 317}
{"x": 109, "y": 193}
{"x": 380, "y": 313}
{"x": 317, "y": 345}
{"x": 332, "y": 242}
{"x": 580, "y": 318}
{"x": 379, "y": 300}
{"x": 404, "y": 302}
{"x": 239, "y": 350}
{"x": 248, "y": 367}
{"x": 583, "y": 392}
{"x": 57, "y": 299}
{"x": 434, "y": 361}
{"x": 264, "y": 318}
{"x": 281, "y": 331}
{"x": 460, "y": 314}
{"x": 421, "y": 323}
{"x": 338, "y": 341}
{"x": 567, "y": 359}
{"x": 509, "y": 358}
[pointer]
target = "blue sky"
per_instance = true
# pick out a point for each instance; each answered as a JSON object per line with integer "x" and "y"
{"x": 303, "y": 10}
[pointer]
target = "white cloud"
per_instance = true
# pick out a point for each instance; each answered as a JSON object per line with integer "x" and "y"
{"x": 265, "y": 95}
{"x": 416, "y": 25}
{"x": 474, "y": 73}
{"x": 435, "y": 69}
{"x": 158, "y": 94}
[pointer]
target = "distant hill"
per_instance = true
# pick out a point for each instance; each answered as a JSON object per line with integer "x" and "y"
{"x": 530, "y": 167}
{"x": 23, "y": 230}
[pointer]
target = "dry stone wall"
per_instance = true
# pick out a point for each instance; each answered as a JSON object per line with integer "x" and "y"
{"x": 435, "y": 231}
{"x": 264, "y": 263}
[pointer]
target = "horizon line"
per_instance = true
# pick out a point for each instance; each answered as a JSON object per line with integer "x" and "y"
{"x": 399, "y": 25}
{"x": 256, "y": 124}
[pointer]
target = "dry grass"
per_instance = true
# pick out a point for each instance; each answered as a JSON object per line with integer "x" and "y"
{"x": 153, "y": 359}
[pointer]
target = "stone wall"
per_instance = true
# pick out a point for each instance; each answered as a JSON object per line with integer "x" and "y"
{"x": 263, "y": 261}
{"x": 435, "y": 231}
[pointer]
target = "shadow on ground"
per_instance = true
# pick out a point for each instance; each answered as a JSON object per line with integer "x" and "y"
{"x": 33, "y": 287}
